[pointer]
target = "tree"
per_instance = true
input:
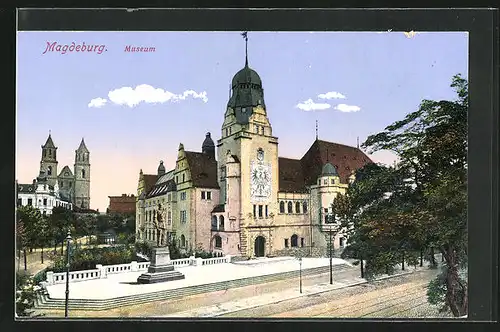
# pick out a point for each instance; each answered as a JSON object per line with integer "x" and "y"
{"x": 29, "y": 220}
{"x": 60, "y": 221}
{"x": 21, "y": 241}
{"x": 427, "y": 205}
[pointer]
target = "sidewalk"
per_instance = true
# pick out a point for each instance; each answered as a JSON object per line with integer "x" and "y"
{"x": 276, "y": 297}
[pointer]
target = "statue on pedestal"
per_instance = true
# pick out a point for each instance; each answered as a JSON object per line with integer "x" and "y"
{"x": 159, "y": 225}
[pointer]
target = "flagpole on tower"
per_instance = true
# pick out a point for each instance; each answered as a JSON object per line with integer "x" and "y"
{"x": 316, "y": 129}
{"x": 245, "y": 36}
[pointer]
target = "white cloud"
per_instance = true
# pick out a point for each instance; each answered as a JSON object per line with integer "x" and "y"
{"x": 97, "y": 102}
{"x": 132, "y": 97}
{"x": 331, "y": 95}
{"x": 310, "y": 105}
{"x": 347, "y": 108}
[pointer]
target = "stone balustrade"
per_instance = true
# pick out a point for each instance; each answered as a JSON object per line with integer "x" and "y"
{"x": 102, "y": 271}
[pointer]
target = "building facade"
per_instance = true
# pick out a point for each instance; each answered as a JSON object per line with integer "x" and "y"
{"x": 41, "y": 196}
{"x": 247, "y": 201}
{"x": 74, "y": 186}
{"x": 122, "y": 204}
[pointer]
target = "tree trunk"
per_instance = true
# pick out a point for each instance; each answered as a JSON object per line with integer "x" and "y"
{"x": 18, "y": 259}
{"x": 433, "y": 258}
{"x": 41, "y": 255}
{"x": 62, "y": 247}
{"x": 456, "y": 293}
{"x": 403, "y": 261}
{"x": 25, "y": 260}
{"x": 362, "y": 268}
{"x": 421, "y": 257}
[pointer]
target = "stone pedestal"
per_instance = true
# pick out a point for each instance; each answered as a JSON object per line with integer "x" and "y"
{"x": 160, "y": 269}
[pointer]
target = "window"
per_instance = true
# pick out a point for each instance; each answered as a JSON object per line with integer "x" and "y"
{"x": 83, "y": 174}
{"x": 202, "y": 195}
{"x": 183, "y": 241}
{"x": 290, "y": 210}
{"x": 30, "y": 202}
{"x": 50, "y": 152}
{"x": 214, "y": 223}
{"x": 342, "y": 242}
{"x": 325, "y": 182}
{"x": 262, "y": 130}
{"x": 209, "y": 195}
{"x": 183, "y": 216}
{"x": 221, "y": 222}
{"x": 254, "y": 210}
{"x": 169, "y": 217}
{"x": 44, "y": 202}
{"x": 260, "y": 211}
{"x": 297, "y": 207}
{"x": 282, "y": 207}
{"x": 218, "y": 242}
{"x": 176, "y": 179}
{"x": 49, "y": 170}
{"x": 332, "y": 181}
{"x": 183, "y": 177}
{"x": 286, "y": 243}
{"x": 256, "y": 129}
{"x": 293, "y": 240}
{"x": 226, "y": 131}
{"x": 154, "y": 215}
{"x": 45, "y": 153}
{"x": 19, "y": 201}
{"x": 301, "y": 241}
{"x": 304, "y": 207}
{"x": 183, "y": 196}
{"x": 229, "y": 130}
{"x": 266, "y": 212}
{"x": 71, "y": 184}
{"x": 169, "y": 197}
{"x": 319, "y": 182}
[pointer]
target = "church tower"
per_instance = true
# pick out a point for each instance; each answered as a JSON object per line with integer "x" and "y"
{"x": 248, "y": 143}
{"x": 48, "y": 163}
{"x": 82, "y": 177}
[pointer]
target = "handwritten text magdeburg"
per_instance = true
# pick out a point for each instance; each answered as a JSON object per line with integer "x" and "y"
{"x": 69, "y": 48}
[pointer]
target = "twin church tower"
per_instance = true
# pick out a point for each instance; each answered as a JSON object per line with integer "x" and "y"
{"x": 73, "y": 186}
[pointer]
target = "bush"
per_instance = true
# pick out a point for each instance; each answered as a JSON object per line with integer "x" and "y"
{"x": 144, "y": 248}
{"x": 26, "y": 293}
{"x": 88, "y": 258}
{"x": 40, "y": 276}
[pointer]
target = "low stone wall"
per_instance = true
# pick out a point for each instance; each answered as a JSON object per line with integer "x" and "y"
{"x": 307, "y": 252}
{"x": 102, "y": 271}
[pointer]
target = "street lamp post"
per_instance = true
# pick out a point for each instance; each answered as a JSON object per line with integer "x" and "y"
{"x": 331, "y": 259}
{"x": 68, "y": 241}
{"x": 300, "y": 275}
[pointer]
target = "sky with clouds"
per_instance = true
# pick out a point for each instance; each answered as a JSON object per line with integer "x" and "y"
{"x": 133, "y": 109}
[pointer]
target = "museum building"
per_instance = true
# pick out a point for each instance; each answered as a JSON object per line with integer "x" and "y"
{"x": 237, "y": 196}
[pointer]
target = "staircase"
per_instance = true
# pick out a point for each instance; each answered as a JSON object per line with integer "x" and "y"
{"x": 44, "y": 302}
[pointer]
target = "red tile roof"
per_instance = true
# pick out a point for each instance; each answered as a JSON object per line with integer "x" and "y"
{"x": 346, "y": 159}
{"x": 149, "y": 181}
{"x": 295, "y": 175}
{"x": 291, "y": 177}
{"x": 203, "y": 169}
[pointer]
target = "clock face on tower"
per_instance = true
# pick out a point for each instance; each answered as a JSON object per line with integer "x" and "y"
{"x": 260, "y": 181}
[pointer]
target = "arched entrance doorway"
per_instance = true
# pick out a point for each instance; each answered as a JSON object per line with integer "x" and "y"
{"x": 260, "y": 246}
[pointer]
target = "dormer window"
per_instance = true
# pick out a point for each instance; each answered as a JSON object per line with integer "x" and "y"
{"x": 256, "y": 129}
{"x": 243, "y": 110}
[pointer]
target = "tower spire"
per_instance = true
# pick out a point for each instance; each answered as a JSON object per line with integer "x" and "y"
{"x": 357, "y": 144}
{"x": 245, "y": 36}
{"x": 316, "y": 129}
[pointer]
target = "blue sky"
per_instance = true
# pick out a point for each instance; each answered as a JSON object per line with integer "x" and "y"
{"x": 381, "y": 77}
